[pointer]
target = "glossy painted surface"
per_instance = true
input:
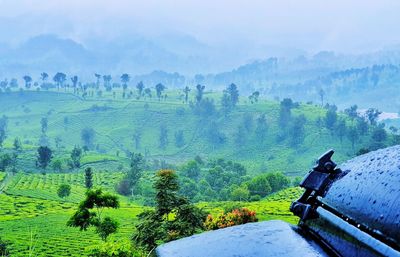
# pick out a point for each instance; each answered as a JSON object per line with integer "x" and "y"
{"x": 270, "y": 238}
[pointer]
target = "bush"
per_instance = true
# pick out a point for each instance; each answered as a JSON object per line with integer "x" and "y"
{"x": 123, "y": 188}
{"x": 236, "y": 217}
{"x": 4, "y": 248}
{"x": 112, "y": 249}
{"x": 255, "y": 198}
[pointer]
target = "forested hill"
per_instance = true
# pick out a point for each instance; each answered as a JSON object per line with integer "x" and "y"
{"x": 168, "y": 127}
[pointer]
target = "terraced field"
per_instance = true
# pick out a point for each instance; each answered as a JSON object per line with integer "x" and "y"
{"x": 45, "y": 186}
{"x": 116, "y": 120}
{"x": 34, "y": 218}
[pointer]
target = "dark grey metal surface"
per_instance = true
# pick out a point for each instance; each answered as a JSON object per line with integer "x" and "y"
{"x": 370, "y": 192}
{"x": 270, "y": 238}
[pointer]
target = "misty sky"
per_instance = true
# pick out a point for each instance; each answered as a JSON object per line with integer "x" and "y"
{"x": 312, "y": 25}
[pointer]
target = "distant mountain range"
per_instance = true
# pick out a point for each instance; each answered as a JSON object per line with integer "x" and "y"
{"x": 179, "y": 60}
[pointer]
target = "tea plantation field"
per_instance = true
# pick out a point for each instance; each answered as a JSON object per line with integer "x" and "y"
{"x": 33, "y": 218}
{"x": 115, "y": 121}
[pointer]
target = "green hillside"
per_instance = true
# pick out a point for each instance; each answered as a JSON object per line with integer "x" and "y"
{"x": 33, "y": 218}
{"x": 115, "y": 122}
{"x": 231, "y": 148}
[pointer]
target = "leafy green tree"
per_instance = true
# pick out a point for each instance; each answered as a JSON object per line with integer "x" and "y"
{"x": 125, "y": 79}
{"x": 372, "y": 114}
{"x": 352, "y": 111}
{"x": 158, "y": 225}
{"x": 76, "y": 156}
{"x": 285, "y": 112}
{"x": 199, "y": 93}
{"x": 140, "y": 88}
{"x": 362, "y": 126}
{"x": 106, "y": 227}
{"x": 28, "y": 80}
{"x": 331, "y": 119}
{"x": 259, "y": 185}
{"x": 88, "y": 178}
{"x": 341, "y": 129}
{"x": 159, "y": 89}
{"x": 64, "y": 190}
{"x": 230, "y": 98}
{"x": 353, "y": 135}
{"x": 59, "y": 79}
{"x": 179, "y": 139}
{"x": 186, "y": 91}
{"x": 240, "y": 136}
{"x": 254, "y": 97}
{"x": 98, "y": 77}
{"x": 261, "y": 128}
{"x": 248, "y": 121}
{"x": 379, "y": 134}
{"x": 147, "y": 92}
{"x": 87, "y": 136}
{"x": 74, "y": 81}
{"x": 3, "y": 129}
{"x": 44, "y": 156}
{"x": 44, "y": 124}
{"x": 5, "y": 161}
{"x": 4, "y": 248}
{"x": 163, "y": 139}
{"x": 233, "y": 93}
{"x": 297, "y": 130}
{"x": 57, "y": 165}
{"x": 188, "y": 187}
{"x": 107, "y": 82}
{"x": 205, "y": 108}
{"x": 191, "y": 169}
{"x": 166, "y": 186}
{"x": 277, "y": 181}
{"x": 17, "y": 144}
{"x": 240, "y": 193}
{"x": 44, "y": 76}
{"x": 135, "y": 172}
{"x": 90, "y": 211}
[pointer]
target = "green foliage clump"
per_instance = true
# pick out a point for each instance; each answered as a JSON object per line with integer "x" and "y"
{"x": 4, "y": 251}
{"x": 129, "y": 185}
{"x": 64, "y": 190}
{"x": 90, "y": 210}
{"x": 88, "y": 178}
{"x": 45, "y": 154}
{"x": 174, "y": 217}
{"x": 111, "y": 249}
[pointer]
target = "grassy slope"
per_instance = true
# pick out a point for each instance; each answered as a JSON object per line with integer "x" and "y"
{"x": 30, "y": 205}
{"x": 115, "y": 126}
{"x": 32, "y": 216}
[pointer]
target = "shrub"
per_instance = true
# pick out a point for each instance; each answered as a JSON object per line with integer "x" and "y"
{"x": 4, "y": 248}
{"x": 255, "y": 198}
{"x": 235, "y": 217}
{"x": 112, "y": 249}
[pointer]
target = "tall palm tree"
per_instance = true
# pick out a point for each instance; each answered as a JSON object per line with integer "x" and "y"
{"x": 125, "y": 79}
{"x": 28, "y": 80}
{"x": 159, "y": 88}
{"x": 98, "y": 76}
{"x": 74, "y": 80}
{"x": 107, "y": 82}
{"x": 186, "y": 91}
{"x": 140, "y": 88}
{"x": 59, "y": 78}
